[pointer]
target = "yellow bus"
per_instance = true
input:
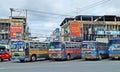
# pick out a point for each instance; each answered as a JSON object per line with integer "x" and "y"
{"x": 29, "y": 51}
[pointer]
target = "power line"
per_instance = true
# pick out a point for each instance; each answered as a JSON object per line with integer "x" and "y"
{"x": 92, "y": 5}
{"x": 49, "y": 13}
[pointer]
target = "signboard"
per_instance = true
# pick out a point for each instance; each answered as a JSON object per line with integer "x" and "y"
{"x": 76, "y": 31}
{"x": 100, "y": 32}
{"x": 108, "y": 32}
{"x": 16, "y": 32}
{"x": 4, "y": 41}
{"x": 17, "y": 22}
{"x": 18, "y": 43}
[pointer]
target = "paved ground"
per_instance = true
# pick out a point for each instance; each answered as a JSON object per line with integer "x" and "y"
{"x": 62, "y": 66}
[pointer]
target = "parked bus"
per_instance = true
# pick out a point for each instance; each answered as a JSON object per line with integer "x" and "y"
{"x": 29, "y": 51}
{"x": 94, "y": 50}
{"x": 114, "y": 48}
{"x": 64, "y": 50}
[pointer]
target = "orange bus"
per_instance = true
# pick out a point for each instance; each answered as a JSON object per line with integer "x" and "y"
{"x": 64, "y": 50}
{"x": 29, "y": 51}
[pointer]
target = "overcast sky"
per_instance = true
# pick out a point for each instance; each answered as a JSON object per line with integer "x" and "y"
{"x": 44, "y": 24}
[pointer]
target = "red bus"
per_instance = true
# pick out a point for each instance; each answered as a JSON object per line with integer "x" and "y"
{"x": 65, "y": 50}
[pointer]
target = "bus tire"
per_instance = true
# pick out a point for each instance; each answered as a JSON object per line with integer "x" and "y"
{"x": 21, "y": 60}
{"x": 1, "y": 59}
{"x": 68, "y": 57}
{"x": 33, "y": 58}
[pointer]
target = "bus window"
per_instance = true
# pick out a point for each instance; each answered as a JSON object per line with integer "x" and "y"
{"x": 63, "y": 45}
{"x": 91, "y": 46}
{"x": 55, "y": 45}
{"x": 31, "y": 45}
{"x": 84, "y": 45}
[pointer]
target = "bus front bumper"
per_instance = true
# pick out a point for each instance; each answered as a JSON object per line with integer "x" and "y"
{"x": 89, "y": 56}
{"x": 115, "y": 56}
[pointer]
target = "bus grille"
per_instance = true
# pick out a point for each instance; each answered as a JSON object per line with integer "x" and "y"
{"x": 54, "y": 54}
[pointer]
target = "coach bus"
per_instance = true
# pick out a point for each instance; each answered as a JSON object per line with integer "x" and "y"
{"x": 94, "y": 50}
{"x": 114, "y": 48}
{"x": 64, "y": 50}
{"x": 29, "y": 51}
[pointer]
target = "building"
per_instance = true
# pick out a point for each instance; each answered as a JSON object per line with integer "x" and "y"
{"x": 14, "y": 28}
{"x": 4, "y": 31}
{"x": 87, "y": 27}
{"x": 18, "y": 28}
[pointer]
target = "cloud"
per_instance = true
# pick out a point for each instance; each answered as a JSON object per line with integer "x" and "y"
{"x": 46, "y": 23}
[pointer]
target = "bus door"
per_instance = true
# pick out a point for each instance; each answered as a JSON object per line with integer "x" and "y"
{"x": 27, "y": 50}
{"x": 63, "y": 49}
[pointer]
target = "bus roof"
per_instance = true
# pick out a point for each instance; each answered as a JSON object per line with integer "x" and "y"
{"x": 90, "y": 41}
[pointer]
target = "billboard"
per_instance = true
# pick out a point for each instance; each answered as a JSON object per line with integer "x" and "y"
{"x": 16, "y": 32}
{"x": 108, "y": 32}
{"x": 76, "y": 30}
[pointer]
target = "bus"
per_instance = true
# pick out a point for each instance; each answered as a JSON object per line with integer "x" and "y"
{"x": 94, "y": 50}
{"x": 64, "y": 50}
{"x": 29, "y": 51}
{"x": 114, "y": 48}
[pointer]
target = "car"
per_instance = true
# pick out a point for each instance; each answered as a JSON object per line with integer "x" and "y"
{"x": 4, "y": 55}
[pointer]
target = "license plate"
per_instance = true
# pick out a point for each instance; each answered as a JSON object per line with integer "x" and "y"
{"x": 87, "y": 57}
{"x": 53, "y": 57}
{"x": 116, "y": 57}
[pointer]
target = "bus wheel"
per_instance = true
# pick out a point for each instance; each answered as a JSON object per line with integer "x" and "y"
{"x": 1, "y": 59}
{"x": 33, "y": 58}
{"x": 21, "y": 60}
{"x": 68, "y": 57}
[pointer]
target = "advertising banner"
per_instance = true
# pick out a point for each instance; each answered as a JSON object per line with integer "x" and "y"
{"x": 76, "y": 30}
{"x": 16, "y": 32}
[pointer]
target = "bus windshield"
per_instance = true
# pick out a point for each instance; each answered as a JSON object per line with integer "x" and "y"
{"x": 84, "y": 45}
{"x": 54, "y": 45}
{"x": 88, "y": 46}
{"x": 17, "y": 46}
{"x": 114, "y": 44}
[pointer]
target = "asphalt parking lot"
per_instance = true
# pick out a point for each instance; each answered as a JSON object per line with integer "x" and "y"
{"x": 78, "y": 65}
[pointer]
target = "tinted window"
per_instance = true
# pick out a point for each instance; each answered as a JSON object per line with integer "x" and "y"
{"x": 84, "y": 45}
{"x": 55, "y": 45}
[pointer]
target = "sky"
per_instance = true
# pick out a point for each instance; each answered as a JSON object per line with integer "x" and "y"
{"x": 48, "y": 14}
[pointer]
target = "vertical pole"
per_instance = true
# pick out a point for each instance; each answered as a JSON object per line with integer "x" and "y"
{"x": 9, "y": 42}
{"x": 26, "y": 31}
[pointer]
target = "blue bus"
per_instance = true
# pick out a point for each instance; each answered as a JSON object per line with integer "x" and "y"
{"x": 94, "y": 50}
{"x": 114, "y": 48}
{"x": 17, "y": 50}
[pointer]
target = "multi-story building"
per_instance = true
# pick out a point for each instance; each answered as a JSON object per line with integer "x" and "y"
{"x": 18, "y": 28}
{"x": 86, "y": 27}
{"x": 14, "y": 28}
{"x": 4, "y": 31}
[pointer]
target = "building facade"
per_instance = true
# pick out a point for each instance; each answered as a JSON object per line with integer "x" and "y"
{"x": 18, "y": 28}
{"x": 4, "y": 31}
{"x": 86, "y": 27}
{"x": 12, "y": 29}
